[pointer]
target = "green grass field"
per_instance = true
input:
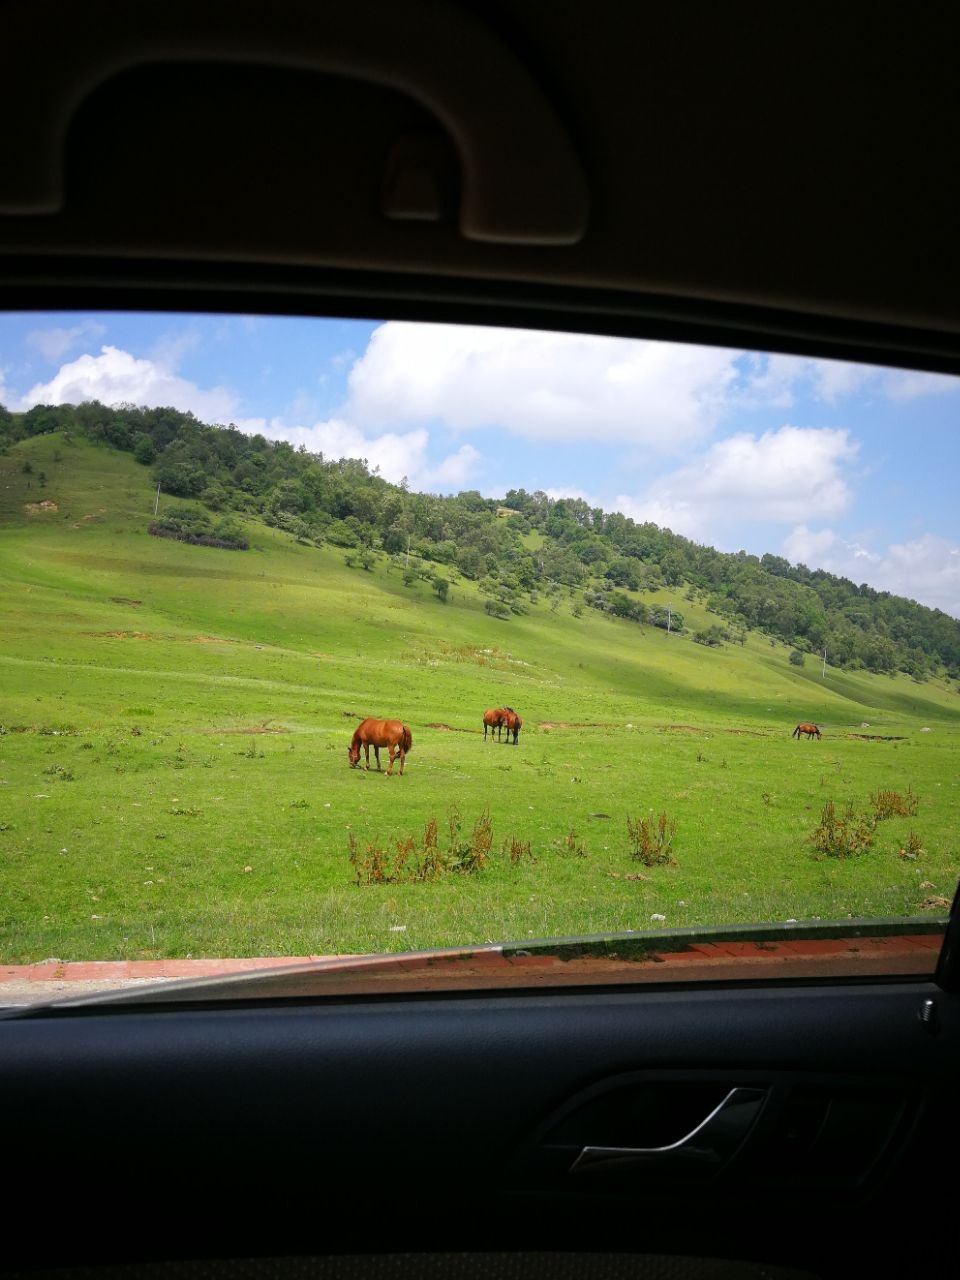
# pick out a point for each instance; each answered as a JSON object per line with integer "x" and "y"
{"x": 174, "y": 778}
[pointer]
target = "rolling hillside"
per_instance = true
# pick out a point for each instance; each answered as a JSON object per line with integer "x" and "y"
{"x": 201, "y": 701}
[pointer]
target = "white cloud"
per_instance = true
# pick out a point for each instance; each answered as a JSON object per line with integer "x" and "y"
{"x": 768, "y": 381}
{"x": 453, "y": 472}
{"x": 397, "y": 454}
{"x": 543, "y": 386}
{"x": 926, "y": 569}
{"x": 53, "y": 344}
{"x": 776, "y": 382}
{"x": 561, "y": 387}
{"x": 834, "y": 379}
{"x": 570, "y": 491}
{"x": 169, "y": 350}
{"x": 907, "y": 384}
{"x": 783, "y": 476}
{"x": 117, "y": 377}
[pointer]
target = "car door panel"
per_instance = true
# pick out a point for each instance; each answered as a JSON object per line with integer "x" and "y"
{"x": 457, "y": 1123}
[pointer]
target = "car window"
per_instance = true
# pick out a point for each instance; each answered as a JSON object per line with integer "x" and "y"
{"x": 330, "y": 638}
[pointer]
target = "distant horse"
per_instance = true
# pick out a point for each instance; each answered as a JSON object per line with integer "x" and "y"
{"x": 377, "y": 734}
{"x": 493, "y": 719}
{"x": 805, "y": 730}
{"x": 512, "y": 723}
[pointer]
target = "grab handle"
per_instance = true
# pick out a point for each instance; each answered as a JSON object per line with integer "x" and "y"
{"x": 522, "y": 181}
{"x": 704, "y": 1149}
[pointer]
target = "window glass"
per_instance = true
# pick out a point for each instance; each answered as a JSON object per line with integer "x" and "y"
{"x": 663, "y": 638}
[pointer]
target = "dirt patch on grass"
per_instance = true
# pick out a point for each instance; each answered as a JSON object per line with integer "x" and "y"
{"x": 447, "y": 728}
{"x": 876, "y": 737}
{"x": 692, "y": 728}
{"x": 575, "y": 724}
{"x": 210, "y": 640}
{"x": 34, "y": 508}
{"x": 249, "y": 729}
{"x": 123, "y": 600}
{"x": 119, "y": 635}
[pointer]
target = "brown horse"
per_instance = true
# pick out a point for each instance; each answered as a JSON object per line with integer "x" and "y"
{"x": 512, "y": 723}
{"x": 377, "y": 734}
{"x": 805, "y": 730}
{"x": 493, "y": 719}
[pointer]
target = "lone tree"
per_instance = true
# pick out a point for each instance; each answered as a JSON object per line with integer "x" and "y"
{"x": 442, "y": 587}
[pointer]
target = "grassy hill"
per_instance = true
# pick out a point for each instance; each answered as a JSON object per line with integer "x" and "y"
{"x": 173, "y": 773}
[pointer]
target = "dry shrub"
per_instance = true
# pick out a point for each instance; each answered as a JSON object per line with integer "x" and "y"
{"x": 842, "y": 835}
{"x": 913, "y": 848}
{"x": 891, "y": 804}
{"x": 652, "y": 840}
{"x": 431, "y": 863}
{"x": 571, "y": 844}
{"x": 473, "y": 855}
{"x": 406, "y": 849}
{"x": 372, "y": 866}
{"x": 519, "y": 850}
{"x": 412, "y": 862}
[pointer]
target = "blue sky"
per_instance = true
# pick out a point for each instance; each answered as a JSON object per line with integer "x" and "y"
{"x": 839, "y": 466}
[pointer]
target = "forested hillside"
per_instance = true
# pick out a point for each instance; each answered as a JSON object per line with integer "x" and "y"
{"x": 521, "y": 547}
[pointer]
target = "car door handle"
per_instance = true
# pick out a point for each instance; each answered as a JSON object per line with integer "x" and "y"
{"x": 703, "y": 1150}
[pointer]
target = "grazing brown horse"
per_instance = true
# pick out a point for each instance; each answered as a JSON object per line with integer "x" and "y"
{"x": 377, "y": 734}
{"x": 493, "y": 719}
{"x": 805, "y": 730}
{"x": 512, "y": 723}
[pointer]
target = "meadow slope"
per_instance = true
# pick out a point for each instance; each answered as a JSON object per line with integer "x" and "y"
{"x": 173, "y": 771}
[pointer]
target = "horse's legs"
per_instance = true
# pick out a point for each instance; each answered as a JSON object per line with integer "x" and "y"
{"x": 376, "y": 752}
{"x": 403, "y": 756}
{"x": 366, "y": 748}
{"x": 390, "y": 766}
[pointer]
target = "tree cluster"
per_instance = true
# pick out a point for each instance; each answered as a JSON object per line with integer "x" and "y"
{"x": 517, "y": 548}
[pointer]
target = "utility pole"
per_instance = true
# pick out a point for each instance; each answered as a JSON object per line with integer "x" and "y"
{"x": 156, "y": 505}
{"x": 669, "y": 618}
{"x": 823, "y": 673}
{"x": 406, "y": 563}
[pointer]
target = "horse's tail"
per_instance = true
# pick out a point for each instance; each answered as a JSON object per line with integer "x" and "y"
{"x": 407, "y": 740}
{"x": 796, "y": 732}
